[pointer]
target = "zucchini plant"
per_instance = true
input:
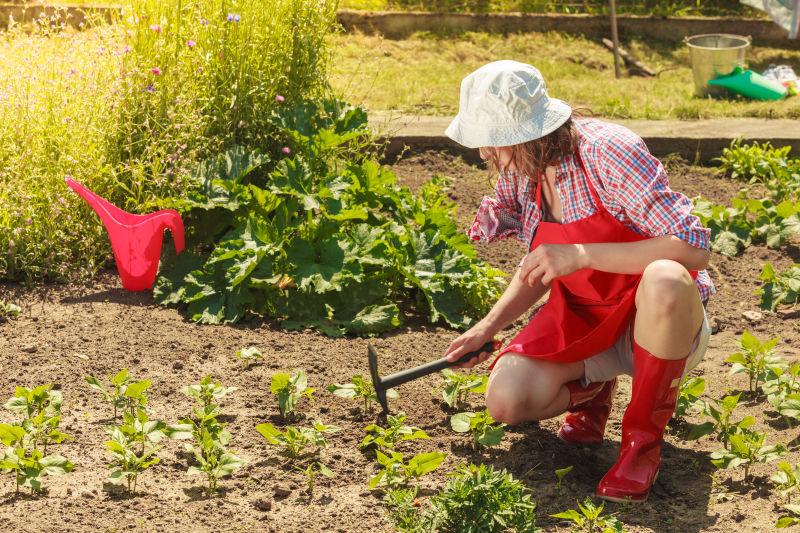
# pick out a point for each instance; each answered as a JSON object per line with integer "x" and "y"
{"x": 289, "y": 390}
{"x": 480, "y": 426}
{"x": 249, "y": 355}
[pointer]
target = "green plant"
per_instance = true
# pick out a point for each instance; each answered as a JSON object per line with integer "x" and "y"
{"x": 121, "y": 397}
{"x": 689, "y": 393}
{"x": 457, "y": 385}
{"x": 745, "y": 449}
{"x": 791, "y": 520}
{"x": 773, "y": 223}
{"x": 589, "y": 518}
{"x": 764, "y": 164}
{"x": 754, "y": 359}
{"x": 133, "y": 447}
{"x": 289, "y": 390}
{"x": 395, "y": 431}
{"x": 561, "y": 473}
{"x": 249, "y": 355}
{"x": 778, "y": 289}
{"x": 480, "y": 426}
{"x": 396, "y": 471}
{"x": 787, "y": 480}
{"x": 721, "y": 423}
{"x": 311, "y": 471}
{"x": 782, "y": 388}
{"x": 28, "y": 463}
{"x": 294, "y": 441}
{"x": 360, "y": 388}
{"x": 323, "y": 237}
{"x": 8, "y": 310}
{"x": 731, "y": 231}
{"x": 209, "y": 448}
{"x": 40, "y": 408}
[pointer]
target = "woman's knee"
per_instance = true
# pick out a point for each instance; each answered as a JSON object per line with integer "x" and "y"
{"x": 521, "y": 389}
{"x": 665, "y": 286}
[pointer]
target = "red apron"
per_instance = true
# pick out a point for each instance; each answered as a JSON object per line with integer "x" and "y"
{"x": 587, "y": 310}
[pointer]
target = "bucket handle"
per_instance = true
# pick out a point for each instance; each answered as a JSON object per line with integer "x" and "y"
{"x": 749, "y": 39}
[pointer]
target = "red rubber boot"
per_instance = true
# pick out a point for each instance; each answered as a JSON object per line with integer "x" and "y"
{"x": 655, "y": 390}
{"x": 588, "y": 409}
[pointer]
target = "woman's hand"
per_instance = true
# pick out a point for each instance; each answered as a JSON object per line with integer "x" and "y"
{"x": 550, "y": 261}
{"x": 469, "y": 341}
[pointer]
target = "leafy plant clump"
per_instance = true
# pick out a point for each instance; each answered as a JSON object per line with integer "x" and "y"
{"x": 290, "y": 389}
{"x": 764, "y": 164}
{"x": 8, "y": 310}
{"x": 323, "y": 237}
{"x": 396, "y": 431}
{"x": 787, "y": 480}
{"x": 396, "y": 471}
{"x": 779, "y": 288}
{"x": 249, "y": 355}
{"x": 133, "y": 446}
{"x": 689, "y": 396}
{"x": 209, "y": 448}
{"x": 120, "y": 397}
{"x": 475, "y": 499}
{"x": 26, "y": 442}
{"x": 782, "y": 388}
{"x": 754, "y": 359}
{"x": 480, "y": 426}
{"x": 745, "y": 449}
{"x": 360, "y": 389}
{"x": 721, "y": 413}
{"x": 457, "y": 385}
{"x": 589, "y": 518}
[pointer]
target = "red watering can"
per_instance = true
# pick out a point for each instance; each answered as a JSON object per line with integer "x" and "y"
{"x": 135, "y": 239}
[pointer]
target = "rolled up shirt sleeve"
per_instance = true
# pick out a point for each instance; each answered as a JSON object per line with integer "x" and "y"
{"x": 498, "y": 217}
{"x": 639, "y": 185}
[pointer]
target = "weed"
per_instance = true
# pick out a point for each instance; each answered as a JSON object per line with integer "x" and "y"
{"x": 8, "y": 310}
{"x": 791, "y": 520}
{"x": 561, "y": 473}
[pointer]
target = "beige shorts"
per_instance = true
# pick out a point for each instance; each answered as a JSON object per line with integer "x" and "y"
{"x": 618, "y": 359}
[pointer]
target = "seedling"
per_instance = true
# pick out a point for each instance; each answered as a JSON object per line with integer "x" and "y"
{"x": 792, "y": 520}
{"x": 783, "y": 391}
{"x": 754, "y": 359}
{"x": 249, "y": 355}
{"x": 8, "y": 310}
{"x": 28, "y": 464}
{"x": 40, "y": 408}
{"x": 689, "y": 394}
{"x": 289, "y": 390}
{"x": 207, "y": 392}
{"x": 127, "y": 462}
{"x": 479, "y": 425}
{"x": 457, "y": 385}
{"x": 589, "y": 518}
{"x": 561, "y": 473}
{"x": 361, "y": 389}
{"x": 396, "y": 471}
{"x": 746, "y": 448}
{"x": 787, "y": 480}
{"x": 720, "y": 422}
{"x": 778, "y": 289}
{"x": 294, "y": 441}
{"x": 120, "y": 397}
{"x": 311, "y": 471}
{"x": 395, "y": 431}
{"x": 211, "y": 455}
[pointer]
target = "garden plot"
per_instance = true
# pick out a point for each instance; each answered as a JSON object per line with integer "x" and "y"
{"x": 65, "y": 333}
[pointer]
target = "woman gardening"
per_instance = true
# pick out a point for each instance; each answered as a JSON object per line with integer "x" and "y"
{"x": 620, "y": 253}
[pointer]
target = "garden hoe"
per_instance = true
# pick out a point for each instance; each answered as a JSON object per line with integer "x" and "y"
{"x": 383, "y": 384}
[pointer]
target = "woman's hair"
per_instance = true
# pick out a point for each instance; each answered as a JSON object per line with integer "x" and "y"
{"x": 533, "y": 157}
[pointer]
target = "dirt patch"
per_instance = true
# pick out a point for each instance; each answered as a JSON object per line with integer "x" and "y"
{"x": 99, "y": 328}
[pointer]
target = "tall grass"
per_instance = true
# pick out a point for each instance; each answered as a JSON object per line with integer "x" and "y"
{"x": 128, "y": 108}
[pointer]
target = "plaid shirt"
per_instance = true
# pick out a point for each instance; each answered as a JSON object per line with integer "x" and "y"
{"x": 631, "y": 184}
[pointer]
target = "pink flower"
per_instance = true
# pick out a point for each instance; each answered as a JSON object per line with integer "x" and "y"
{"x": 155, "y": 71}
{"x": 286, "y": 150}
{"x": 126, "y": 49}
{"x": 156, "y": 28}
{"x": 190, "y": 43}
{"x": 280, "y": 99}
{"x": 28, "y": 222}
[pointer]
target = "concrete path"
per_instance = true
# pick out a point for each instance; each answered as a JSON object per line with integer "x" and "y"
{"x": 696, "y": 140}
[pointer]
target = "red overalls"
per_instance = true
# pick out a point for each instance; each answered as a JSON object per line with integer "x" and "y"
{"x": 586, "y": 313}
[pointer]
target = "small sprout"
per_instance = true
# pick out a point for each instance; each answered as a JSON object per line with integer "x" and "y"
{"x": 479, "y": 425}
{"x": 561, "y": 473}
{"x": 8, "y": 310}
{"x": 589, "y": 518}
{"x": 311, "y": 471}
{"x": 121, "y": 397}
{"x": 396, "y": 471}
{"x": 295, "y": 440}
{"x": 754, "y": 359}
{"x": 360, "y": 389}
{"x": 458, "y": 385}
{"x": 289, "y": 390}
{"x": 395, "y": 431}
{"x": 207, "y": 392}
{"x": 746, "y": 449}
{"x": 249, "y": 355}
{"x": 787, "y": 480}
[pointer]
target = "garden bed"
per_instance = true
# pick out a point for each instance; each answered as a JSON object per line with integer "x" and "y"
{"x": 68, "y": 332}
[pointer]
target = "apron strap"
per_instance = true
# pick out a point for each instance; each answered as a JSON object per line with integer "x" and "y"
{"x": 587, "y": 176}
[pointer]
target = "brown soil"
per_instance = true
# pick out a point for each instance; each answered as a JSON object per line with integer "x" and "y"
{"x": 99, "y": 328}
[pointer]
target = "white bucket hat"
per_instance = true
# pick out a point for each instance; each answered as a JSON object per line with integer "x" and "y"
{"x": 505, "y": 103}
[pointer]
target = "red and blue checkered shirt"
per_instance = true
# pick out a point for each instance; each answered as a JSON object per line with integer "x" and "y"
{"x": 630, "y": 181}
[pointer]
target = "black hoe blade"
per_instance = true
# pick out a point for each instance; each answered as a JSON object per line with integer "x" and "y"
{"x": 377, "y": 382}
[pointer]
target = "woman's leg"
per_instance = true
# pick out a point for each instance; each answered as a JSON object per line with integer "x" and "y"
{"x": 522, "y": 389}
{"x": 668, "y": 316}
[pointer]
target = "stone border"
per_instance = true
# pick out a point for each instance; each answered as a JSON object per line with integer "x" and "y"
{"x": 72, "y": 15}
{"x": 399, "y": 25}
